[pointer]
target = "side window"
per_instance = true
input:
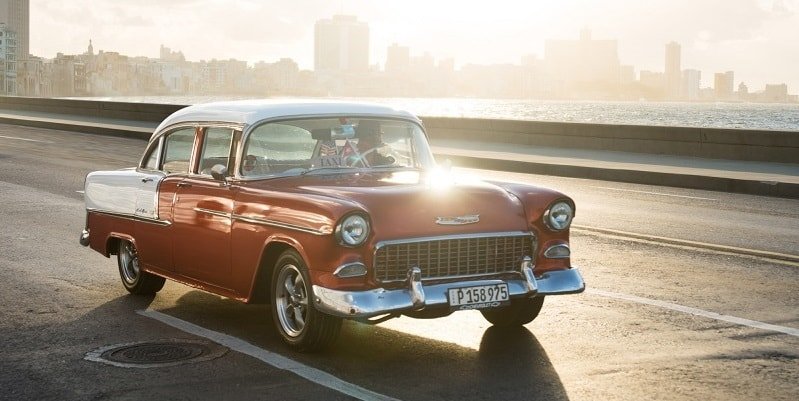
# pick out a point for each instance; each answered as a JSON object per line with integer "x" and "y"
{"x": 151, "y": 162}
{"x": 177, "y": 151}
{"x": 216, "y": 149}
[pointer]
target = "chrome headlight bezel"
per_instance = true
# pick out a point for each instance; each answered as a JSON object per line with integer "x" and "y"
{"x": 346, "y": 230}
{"x": 554, "y": 213}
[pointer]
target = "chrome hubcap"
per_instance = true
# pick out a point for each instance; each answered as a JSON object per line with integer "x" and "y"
{"x": 291, "y": 300}
{"x": 129, "y": 261}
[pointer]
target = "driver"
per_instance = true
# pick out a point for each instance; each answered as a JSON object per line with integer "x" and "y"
{"x": 370, "y": 142}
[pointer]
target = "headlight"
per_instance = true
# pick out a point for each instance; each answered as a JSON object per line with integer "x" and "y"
{"x": 352, "y": 230}
{"x": 559, "y": 216}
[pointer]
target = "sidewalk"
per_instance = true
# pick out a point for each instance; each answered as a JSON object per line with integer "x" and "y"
{"x": 756, "y": 178}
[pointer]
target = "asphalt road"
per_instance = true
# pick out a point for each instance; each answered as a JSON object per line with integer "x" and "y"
{"x": 658, "y": 321}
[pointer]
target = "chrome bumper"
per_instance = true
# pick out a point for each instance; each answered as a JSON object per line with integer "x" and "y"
{"x": 416, "y": 295}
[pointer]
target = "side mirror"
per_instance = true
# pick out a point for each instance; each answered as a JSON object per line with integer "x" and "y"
{"x": 219, "y": 172}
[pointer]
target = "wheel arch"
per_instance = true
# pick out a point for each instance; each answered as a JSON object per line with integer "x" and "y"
{"x": 112, "y": 243}
{"x": 273, "y": 248}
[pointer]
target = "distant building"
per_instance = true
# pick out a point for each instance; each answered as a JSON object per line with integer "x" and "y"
{"x": 583, "y": 67}
{"x": 743, "y": 91}
{"x": 341, "y": 44}
{"x": 777, "y": 93}
{"x": 673, "y": 75}
{"x": 280, "y": 77}
{"x": 16, "y": 15}
{"x": 68, "y": 76}
{"x": 691, "y": 84}
{"x": 166, "y": 54}
{"x": 33, "y": 78}
{"x": 723, "y": 84}
{"x": 652, "y": 81}
{"x": 398, "y": 58}
{"x": 8, "y": 60}
{"x": 626, "y": 74}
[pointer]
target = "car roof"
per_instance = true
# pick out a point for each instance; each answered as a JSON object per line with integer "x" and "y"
{"x": 249, "y": 112}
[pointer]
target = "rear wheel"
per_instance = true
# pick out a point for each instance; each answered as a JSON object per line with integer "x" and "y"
{"x": 300, "y": 325}
{"x": 135, "y": 280}
{"x": 518, "y": 313}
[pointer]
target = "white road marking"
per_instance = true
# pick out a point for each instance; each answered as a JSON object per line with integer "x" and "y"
{"x": 81, "y": 192}
{"x": 312, "y": 374}
{"x": 697, "y": 312}
{"x": 653, "y": 193}
{"x": 24, "y": 139}
{"x": 782, "y": 258}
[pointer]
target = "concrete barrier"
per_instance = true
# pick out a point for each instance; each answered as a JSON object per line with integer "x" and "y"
{"x": 714, "y": 143}
{"x": 91, "y": 108}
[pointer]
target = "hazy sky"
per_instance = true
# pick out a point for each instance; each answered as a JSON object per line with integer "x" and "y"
{"x": 758, "y": 39}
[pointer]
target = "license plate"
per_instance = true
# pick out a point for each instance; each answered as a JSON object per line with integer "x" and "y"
{"x": 479, "y": 297}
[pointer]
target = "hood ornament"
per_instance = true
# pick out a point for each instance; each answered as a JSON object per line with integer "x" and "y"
{"x": 458, "y": 220}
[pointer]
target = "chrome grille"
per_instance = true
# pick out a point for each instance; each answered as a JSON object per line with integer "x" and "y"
{"x": 452, "y": 256}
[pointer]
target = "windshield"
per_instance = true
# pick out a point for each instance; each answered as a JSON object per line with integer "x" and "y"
{"x": 334, "y": 144}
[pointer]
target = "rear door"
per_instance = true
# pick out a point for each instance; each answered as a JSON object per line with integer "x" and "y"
{"x": 166, "y": 165}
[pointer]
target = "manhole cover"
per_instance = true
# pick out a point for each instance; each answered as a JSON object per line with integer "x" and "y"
{"x": 153, "y": 354}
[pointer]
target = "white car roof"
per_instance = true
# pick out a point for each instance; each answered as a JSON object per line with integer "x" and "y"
{"x": 249, "y": 112}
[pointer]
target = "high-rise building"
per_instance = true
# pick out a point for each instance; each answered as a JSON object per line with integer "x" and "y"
{"x": 723, "y": 85}
{"x": 341, "y": 44}
{"x": 398, "y": 58}
{"x": 673, "y": 74}
{"x": 16, "y": 15}
{"x": 583, "y": 66}
{"x": 8, "y": 60}
{"x": 775, "y": 93}
{"x": 691, "y": 84}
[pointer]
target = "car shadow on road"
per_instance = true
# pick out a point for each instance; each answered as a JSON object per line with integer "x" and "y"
{"x": 509, "y": 364}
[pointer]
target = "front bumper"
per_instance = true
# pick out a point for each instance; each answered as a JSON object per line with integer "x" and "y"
{"x": 417, "y": 296}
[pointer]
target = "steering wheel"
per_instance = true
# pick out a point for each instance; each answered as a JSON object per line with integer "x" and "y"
{"x": 364, "y": 163}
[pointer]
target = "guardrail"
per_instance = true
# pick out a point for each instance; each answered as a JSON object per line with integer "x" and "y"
{"x": 714, "y": 143}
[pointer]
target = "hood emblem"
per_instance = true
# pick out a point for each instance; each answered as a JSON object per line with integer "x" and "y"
{"x": 458, "y": 220}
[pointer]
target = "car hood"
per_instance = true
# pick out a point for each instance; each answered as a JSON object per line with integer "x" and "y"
{"x": 413, "y": 204}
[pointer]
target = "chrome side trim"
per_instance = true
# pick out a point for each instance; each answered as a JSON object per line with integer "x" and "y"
{"x": 553, "y": 248}
{"x": 213, "y": 212}
{"x": 280, "y": 224}
{"x": 456, "y": 236}
{"x": 127, "y": 216}
{"x": 379, "y": 301}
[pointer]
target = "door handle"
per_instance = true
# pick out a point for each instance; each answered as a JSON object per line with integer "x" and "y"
{"x": 183, "y": 185}
{"x": 146, "y": 179}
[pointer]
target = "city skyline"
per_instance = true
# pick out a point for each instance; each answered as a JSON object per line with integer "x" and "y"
{"x": 706, "y": 43}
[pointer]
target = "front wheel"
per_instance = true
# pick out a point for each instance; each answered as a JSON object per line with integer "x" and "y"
{"x": 518, "y": 313}
{"x": 300, "y": 325}
{"x": 135, "y": 280}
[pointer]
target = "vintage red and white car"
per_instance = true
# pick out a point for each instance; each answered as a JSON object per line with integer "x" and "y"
{"x": 326, "y": 211}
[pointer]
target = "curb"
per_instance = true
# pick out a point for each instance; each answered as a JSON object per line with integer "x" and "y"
{"x": 749, "y": 187}
{"x": 116, "y": 130}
